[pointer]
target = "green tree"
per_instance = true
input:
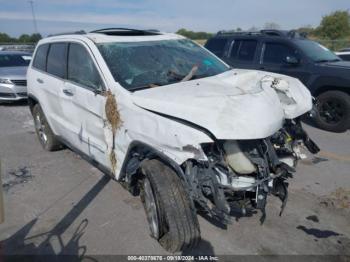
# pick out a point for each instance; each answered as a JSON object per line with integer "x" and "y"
{"x": 193, "y": 35}
{"x": 308, "y": 29}
{"x": 35, "y": 38}
{"x": 24, "y": 38}
{"x": 5, "y": 38}
{"x": 335, "y": 25}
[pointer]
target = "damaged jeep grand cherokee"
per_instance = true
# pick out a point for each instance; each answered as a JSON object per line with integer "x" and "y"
{"x": 172, "y": 122}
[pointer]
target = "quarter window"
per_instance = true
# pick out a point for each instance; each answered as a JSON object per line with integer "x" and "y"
{"x": 81, "y": 68}
{"x": 39, "y": 61}
{"x": 276, "y": 53}
{"x": 56, "y": 60}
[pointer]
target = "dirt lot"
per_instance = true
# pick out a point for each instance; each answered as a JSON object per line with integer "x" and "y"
{"x": 57, "y": 203}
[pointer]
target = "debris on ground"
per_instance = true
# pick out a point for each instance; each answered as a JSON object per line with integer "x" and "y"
{"x": 15, "y": 177}
{"x": 313, "y": 218}
{"x": 340, "y": 198}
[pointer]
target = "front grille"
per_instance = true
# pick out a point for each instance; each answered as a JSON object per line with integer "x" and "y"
{"x": 7, "y": 95}
{"x": 22, "y": 94}
{"x": 19, "y": 82}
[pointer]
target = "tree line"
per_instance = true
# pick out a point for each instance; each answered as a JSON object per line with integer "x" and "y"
{"x": 334, "y": 26}
{"x": 22, "y": 39}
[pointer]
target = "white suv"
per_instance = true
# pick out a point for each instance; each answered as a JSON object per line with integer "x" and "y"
{"x": 172, "y": 122}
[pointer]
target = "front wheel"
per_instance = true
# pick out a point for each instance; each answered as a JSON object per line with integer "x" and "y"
{"x": 169, "y": 212}
{"x": 46, "y": 137}
{"x": 333, "y": 111}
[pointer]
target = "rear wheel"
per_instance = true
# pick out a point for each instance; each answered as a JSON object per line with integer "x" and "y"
{"x": 169, "y": 212}
{"x": 333, "y": 111}
{"x": 46, "y": 137}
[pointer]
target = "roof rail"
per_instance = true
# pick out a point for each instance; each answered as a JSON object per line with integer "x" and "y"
{"x": 269, "y": 32}
{"x": 274, "y": 32}
{"x": 80, "y": 32}
{"x": 126, "y": 31}
{"x": 238, "y": 32}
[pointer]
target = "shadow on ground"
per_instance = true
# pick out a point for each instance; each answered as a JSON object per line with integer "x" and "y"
{"x": 14, "y": 103}
{"x": 204, "y": 248}
{"x": 21, "y": 247}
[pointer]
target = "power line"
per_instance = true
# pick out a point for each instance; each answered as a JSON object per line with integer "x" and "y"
{"x": 31, "y": 2}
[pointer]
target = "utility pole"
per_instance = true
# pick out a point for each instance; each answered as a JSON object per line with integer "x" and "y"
{"x": 31, "y": 2}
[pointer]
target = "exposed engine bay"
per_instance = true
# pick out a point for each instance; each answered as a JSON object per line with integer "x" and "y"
{"x": 255, "y": 137}
{"x": 245, "y": 172}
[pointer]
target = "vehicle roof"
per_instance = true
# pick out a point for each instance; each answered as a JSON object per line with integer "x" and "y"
{"x": 263, "y": 34}
{"x": 104, "y": 38}
{"x": 5, "y": 52}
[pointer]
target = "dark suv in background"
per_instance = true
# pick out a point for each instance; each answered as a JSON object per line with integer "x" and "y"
{"x": 290, "y": 53}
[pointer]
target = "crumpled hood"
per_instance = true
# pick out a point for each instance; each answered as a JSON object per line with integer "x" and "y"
{"x": 238, "y": 104}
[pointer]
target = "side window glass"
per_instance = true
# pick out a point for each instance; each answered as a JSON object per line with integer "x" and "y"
{"x": 247, "y": 50}
{"x": 276, "y": 53}
{"x": 235, "y": 48}
{"x": 39, "y": 61}
{"x": 216, "y": 45}
{"x": 56, "y": 60}
{"x": 81, "y": 68}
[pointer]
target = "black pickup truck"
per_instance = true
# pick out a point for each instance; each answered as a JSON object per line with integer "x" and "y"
{"x": 287, "y": 52}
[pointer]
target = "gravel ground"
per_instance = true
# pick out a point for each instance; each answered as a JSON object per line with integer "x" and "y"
{"x": 57, "y": 203}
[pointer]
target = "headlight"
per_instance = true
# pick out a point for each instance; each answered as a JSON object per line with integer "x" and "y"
{"x": 5, "y": 81}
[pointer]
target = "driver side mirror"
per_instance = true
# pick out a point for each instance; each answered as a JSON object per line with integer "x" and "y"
{"x": 292, "y": 60}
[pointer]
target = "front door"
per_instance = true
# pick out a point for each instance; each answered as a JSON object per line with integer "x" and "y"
{"x": 275, "y": 59}
{"x": 83, "y": 104}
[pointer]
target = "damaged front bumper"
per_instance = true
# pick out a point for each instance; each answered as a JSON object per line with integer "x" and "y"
{"x": 241, "y": 174}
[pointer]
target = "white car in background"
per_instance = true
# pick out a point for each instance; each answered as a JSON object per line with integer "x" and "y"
{"x": 13, "y": 70}
{"x": 171, "y": 122}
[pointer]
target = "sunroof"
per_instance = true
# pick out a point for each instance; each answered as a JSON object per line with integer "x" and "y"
{"x": 125, "y": 32}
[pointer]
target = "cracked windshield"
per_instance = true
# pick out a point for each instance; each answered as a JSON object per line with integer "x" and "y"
{"x": 141, "y": 65}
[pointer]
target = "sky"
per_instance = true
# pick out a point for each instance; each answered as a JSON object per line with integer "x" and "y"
{"x": 55, "y": 16}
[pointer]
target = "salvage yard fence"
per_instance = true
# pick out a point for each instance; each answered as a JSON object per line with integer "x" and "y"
{"x": 25, "y": 47}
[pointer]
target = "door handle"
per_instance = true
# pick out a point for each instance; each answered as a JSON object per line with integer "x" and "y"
{"x": 68, "y": 92}
{"x": 39, "y": 80}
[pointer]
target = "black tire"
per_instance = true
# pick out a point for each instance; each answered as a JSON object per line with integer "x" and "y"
{"x": 333, "y": 111}
{"x": 177, "y": 220}
{"x": 46, "y": 137}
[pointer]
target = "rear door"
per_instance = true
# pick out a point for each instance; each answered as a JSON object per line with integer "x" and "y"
{"x": 47, "y": 78}
{"x": 243, "y": 53}
{"x": 83, "y": 103}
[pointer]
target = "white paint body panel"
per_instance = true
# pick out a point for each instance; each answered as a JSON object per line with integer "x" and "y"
{"x": 233, "y": 105}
